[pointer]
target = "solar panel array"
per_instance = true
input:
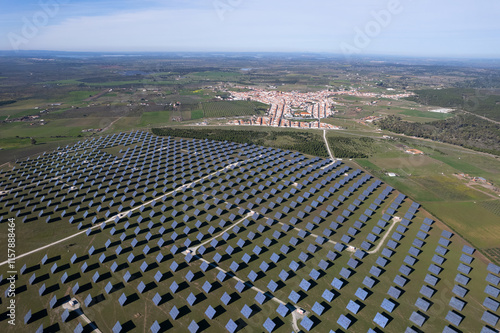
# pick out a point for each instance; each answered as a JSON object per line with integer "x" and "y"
{"x": 225, "y": 233}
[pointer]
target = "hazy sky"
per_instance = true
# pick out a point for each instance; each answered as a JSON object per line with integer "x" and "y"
{"x": 451, "y": 28}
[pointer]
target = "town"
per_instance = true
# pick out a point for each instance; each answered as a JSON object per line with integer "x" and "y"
{"x": 290, "y": 109}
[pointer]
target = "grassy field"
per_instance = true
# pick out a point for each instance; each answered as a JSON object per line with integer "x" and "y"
{"x": 222, "y": 109}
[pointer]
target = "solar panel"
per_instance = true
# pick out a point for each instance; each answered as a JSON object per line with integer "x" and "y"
{"x": 493, "y": 268}
{"x": 344, "y": 322}
{"x": 469, "y": 250}
{"x": 454, "y": 317}
{"x": 380, "y": 320}
{"x": 193, "y": 327}
{"x": 491, "y": 304}
{"x": 381, "y": 261}
{"x": 490, "y": 318}
{"x": 466, "y": 259}
{"x": 492, "y": 291}
{"x": 388, "y": 253}
{"x": 438, "y": 259}
{"x": 487, "y": 329}
{"x": 464, "y": 268}
{"x": 493, "y": 279}
{"x": 459, "y": 291}
{"x": 418, "y": 318}
{"x": 394, "y": 292}
{"x": 307, "y": 323}
{"x": 353, "y": 307}
{"x": 462, "y": 279}
{"x": 362, "y": 294}
{"x": 269, "y": 325}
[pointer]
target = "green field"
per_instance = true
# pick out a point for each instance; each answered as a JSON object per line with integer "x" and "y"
{"x": 222, "y": 109}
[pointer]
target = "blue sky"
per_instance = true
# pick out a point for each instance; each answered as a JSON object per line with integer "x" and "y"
{"x": 446, "y": 28}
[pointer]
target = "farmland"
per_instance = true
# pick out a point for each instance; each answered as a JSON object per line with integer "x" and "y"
{"x": 168, "y": 234}
{"x": 222, "y": 109}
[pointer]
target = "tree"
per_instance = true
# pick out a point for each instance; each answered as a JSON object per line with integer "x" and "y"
{"x": 33, "y": 141}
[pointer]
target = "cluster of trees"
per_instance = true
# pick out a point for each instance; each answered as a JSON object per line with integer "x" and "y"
{"x": 307, "y": 143}
{"x": 347, "y": 147}
{"x": 2, "y": 103}
{"x": 465, "y": 130}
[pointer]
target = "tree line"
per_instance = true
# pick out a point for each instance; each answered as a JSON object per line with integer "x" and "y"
{"x": 307, "y": 143}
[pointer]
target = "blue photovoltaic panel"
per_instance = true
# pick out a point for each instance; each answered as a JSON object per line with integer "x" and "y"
{"x": 467, "y": 249}
{"x": 337, "y": 284}
{"x": 462, "y": 268}
{"x": 417, "y": 318}
{"x": 441, "y": 250}
{"x": 388, "y": 253}
{"x": 431, "y": 279}
{"x": 294, "y": 296}
{"x": 490, "y": 318}
{"x": 246, "y": 311}
{"x": 394, "y": 292}
{"x": 493, "y": 268}
{"x": 353, "y": 307}
{"x": 466, "y": 259}
{"x": 446, "y": 234}
{"x": 434, "y": 269}
{"x": 380, "y": 320}
{"x": 459, "y": 291}
{"x": 381, "y": 261}
{"x": 318, "y": 308}
{"x": 462, "y": 279}
{"x": 405, "y": 270}
{"x": 427, "y": 291}
{"x": 444, "y": 242}
{"x": 388, "y": 305}
{"x": 414, "y": 251}
{"x": 328, "y": 295}
{"x": 409, "y": 260}
{"x": 487, "y": 329}
{"x": 438, "y": 259}
{"x": 493, "y": 279}
{"x": 345, "y": 273}
{"x": 454, "y": 318}
{"x": 269, "y": 325}
{"x": 400, "y": 281}
{"x": 457, "y": 303}
{"x": 492, "y": 291}
{"x": 418, "y": 243}
{"x": 375, "y": 271}
{"x": 392, "y": 244}
{"x": 368, "y": 282}
{"x": 361, "y": 294}
{"x": 344, "y": 322}
{"x": 422, "y": 304}
{"x": 422, "y": 234}
{"x": 491, "y": 304}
